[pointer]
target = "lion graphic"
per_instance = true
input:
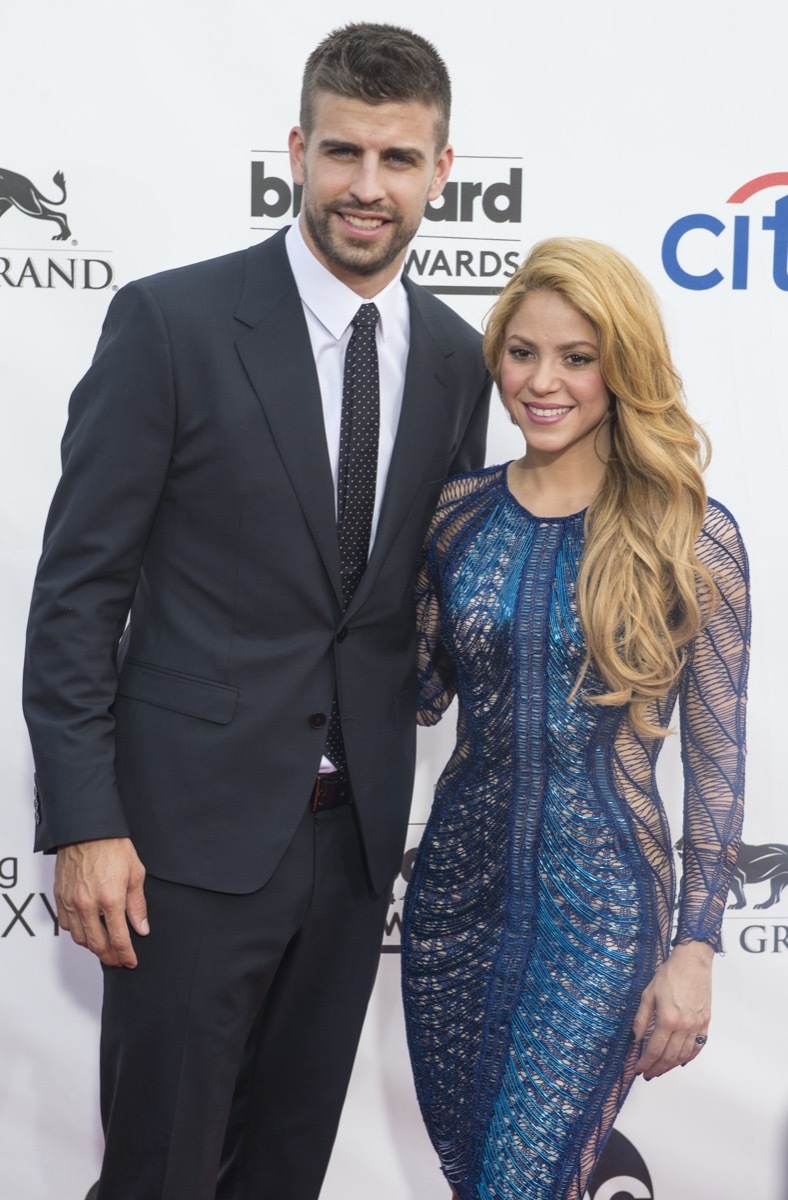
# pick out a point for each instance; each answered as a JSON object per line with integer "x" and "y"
{"x": 18, "y": 192}
{"x": 756, "y": 864}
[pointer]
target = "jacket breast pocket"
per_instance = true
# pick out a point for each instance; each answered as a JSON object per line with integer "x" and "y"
{"x": 187, "y": 694}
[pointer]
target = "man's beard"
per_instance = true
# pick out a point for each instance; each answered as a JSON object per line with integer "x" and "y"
{"x": 364, "y": 259}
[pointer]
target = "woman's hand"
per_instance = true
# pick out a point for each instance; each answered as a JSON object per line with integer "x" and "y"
{"x": 674, "y": 1010}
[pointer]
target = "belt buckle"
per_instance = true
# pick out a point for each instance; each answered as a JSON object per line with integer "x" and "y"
{"x": 329, "y": 792}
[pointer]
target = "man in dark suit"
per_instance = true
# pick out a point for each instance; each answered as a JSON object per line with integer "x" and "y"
{"x": 213, "y": 688}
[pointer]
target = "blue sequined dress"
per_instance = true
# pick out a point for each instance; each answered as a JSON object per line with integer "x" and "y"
{"x": 542, "y": 895}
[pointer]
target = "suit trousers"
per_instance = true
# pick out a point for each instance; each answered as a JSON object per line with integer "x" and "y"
{"x": 226, "y": 1053}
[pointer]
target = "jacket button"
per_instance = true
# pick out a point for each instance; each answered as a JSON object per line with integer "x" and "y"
{"x": 342, "y": 635}
{"x": 317, "y": 720}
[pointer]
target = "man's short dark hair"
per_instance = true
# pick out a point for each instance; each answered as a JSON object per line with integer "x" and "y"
{"x": 376, "y": 63}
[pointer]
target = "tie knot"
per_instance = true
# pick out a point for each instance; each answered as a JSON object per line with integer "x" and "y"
{"x": 367, "y": 317}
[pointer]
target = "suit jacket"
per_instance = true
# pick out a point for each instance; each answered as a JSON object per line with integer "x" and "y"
{"x": 186, "y": 632}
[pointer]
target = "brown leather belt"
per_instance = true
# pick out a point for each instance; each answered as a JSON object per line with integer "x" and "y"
{"x": 330, "y": 791}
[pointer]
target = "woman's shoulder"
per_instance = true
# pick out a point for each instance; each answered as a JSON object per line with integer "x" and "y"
{"x": 720, "y": 543}
{"x": 477, "y": 483}
{"x": 462, "y": 497}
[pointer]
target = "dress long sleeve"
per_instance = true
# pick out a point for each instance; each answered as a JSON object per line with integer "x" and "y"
{"x": 437, "y": 683}
{"x": 446, "y": 542}
{"x": 712, "y": 700}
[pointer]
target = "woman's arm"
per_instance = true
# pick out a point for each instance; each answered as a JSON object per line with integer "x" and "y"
{"x": 675, "y": 1008}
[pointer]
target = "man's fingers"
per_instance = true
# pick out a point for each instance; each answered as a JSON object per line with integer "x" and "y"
{"x": 136, "y": 908}
{"x": 62, "y": 914}
{"x": 95, "y": 884}
{"x": 88, "y": 928}
{"x": 95, "y": 934}
{"x": 91, "y": 935}
{"x": 73, "y": 925}
{"x": 117, "y": 938}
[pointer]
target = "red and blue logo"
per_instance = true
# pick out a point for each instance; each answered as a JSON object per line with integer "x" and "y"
{"x": 731, "y": 254}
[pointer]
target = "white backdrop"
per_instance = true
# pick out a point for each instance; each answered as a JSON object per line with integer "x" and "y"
{"x": 614, "y": 120}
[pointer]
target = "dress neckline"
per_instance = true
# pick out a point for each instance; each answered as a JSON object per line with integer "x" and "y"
{"x": 544, "y": 520}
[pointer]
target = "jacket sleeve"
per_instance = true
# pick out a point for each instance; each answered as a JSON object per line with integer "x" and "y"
{"x": 713, "y": 700}
{"x": 116, "y": 453}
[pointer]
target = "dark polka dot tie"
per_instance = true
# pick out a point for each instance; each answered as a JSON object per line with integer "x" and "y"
{"x": 357, "y": 474}
{"x": 358, "y": 449}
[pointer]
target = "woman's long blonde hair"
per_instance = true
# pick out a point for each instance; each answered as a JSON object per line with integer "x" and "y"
{"x": 642, "y": 593}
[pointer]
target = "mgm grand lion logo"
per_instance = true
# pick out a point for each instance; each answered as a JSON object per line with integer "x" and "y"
{"x": 760, "y": 864}
{"x": 756, "y": 864}
{"x": 16, "y": 191}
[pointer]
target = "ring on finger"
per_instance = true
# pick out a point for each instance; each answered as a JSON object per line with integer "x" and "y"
{"x": 701, "y": 1039}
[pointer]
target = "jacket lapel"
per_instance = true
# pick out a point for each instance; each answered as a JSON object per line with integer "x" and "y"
{"x": 277, "y": 356}
{"x": 276, "y": 353}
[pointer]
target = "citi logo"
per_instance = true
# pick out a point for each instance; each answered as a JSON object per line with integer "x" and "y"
{"x": 688, "y": 246}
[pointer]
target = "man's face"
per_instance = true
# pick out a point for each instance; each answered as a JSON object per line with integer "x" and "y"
{"x": 367, "y": 171}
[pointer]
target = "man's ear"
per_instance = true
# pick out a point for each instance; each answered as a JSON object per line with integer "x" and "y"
{"x": 442, "y": 170}
{"x": 296, "y": 144}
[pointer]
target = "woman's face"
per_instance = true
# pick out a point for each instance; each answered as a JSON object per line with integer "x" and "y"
{"x": 551, "y": 382}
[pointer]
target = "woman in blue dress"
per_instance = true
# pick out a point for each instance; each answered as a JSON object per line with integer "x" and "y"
{"x": 569, "y": 599}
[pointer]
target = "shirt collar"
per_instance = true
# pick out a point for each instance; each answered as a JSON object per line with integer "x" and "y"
{"x": 332, "y": 302}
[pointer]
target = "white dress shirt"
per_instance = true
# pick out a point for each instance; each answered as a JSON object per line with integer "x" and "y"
{"x": 329, "y": 307}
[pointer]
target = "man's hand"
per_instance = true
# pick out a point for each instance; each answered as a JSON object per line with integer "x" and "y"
{"x": 675, "y": 1010}
{"x": 98, "y": 889}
